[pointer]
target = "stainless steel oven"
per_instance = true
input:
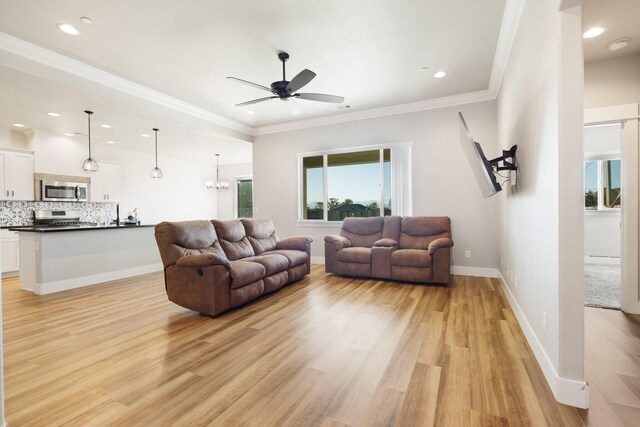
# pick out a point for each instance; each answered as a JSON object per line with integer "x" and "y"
{"x": 61, "y": 191}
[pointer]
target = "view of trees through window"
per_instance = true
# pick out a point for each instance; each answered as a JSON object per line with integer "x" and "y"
{"x": 358, "y": 184}
{"x": 245, "y": 198}
{"x": 602, "y": 184}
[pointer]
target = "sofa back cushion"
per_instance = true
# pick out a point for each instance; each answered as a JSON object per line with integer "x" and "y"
{"x": 417, "y": 232}
{"x": 233, "y": 239}
{"x": 391, "y": 228}
{"x": 261, "y": 234}
{"x": 362, "y": 232}
{"x": 178, "y": 239}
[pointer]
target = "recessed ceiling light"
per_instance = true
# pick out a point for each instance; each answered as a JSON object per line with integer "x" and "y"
{"x": 86, "y": 20}
{"x": 18, "y": 125}
{"x": 68, "y": 134}
{"x": 593, "y": 32}
{"x": 110, "y": 142}
{"x": 250, "y": 112}
{"x": 69, "y": 29}
{"x": 105, "y": 126}
{"x": 439, "y": 74}
{"x": 54, "y": 114}
{"x": 144, "y": 135}
{"x": 618, "y": 44}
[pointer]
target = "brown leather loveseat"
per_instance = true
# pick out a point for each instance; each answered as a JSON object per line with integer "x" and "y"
{"x": 412, "y": 249}
{"x": 212, "y": 266}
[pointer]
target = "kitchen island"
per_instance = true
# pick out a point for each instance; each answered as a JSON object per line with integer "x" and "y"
{"x": 54, "y": 259}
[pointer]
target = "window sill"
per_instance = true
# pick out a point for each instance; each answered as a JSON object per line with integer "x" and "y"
{"x": 327, "y": 224}
{"x": 612, "y": 211}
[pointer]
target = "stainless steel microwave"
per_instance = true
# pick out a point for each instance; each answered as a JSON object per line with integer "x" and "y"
{"x": 61, "y": 191}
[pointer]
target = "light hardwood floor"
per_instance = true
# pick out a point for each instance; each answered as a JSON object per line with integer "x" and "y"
{"x": 325, "y": 351}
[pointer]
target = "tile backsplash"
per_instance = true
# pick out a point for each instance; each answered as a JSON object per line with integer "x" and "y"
{"x": 21, "y": 213}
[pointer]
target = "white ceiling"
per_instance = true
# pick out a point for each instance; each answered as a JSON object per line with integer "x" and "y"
{"x": 28, "y": 99}
{"x": 620, "y": 18}
{"x": 369, "y": 51}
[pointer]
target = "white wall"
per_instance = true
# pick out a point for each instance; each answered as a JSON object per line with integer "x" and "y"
{"x": 226, "y": 198}
{"x": 443, "y": 183}
{"x": 602, "y": 234}
{"x": 541, "y": 231}
{"x": 613, "y": 81}
{"x": 180, "y": 194}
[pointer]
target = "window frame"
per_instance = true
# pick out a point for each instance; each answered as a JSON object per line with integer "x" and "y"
{"x": 235, "y": 194}
{"x": 325, "y": 154}
{"x": 600, "y": 159}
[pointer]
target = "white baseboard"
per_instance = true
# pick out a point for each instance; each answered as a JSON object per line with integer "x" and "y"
{"x": 78, "y": 282}
{"x": 569, "y": 392}
{"x": 461, "y": 270}
{"x": 456, "y": 270}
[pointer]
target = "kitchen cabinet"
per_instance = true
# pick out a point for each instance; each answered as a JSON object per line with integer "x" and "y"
{"x": 16, "y": 176}
{"x": 10, "y": 242}
{"x": 105, "y": 184}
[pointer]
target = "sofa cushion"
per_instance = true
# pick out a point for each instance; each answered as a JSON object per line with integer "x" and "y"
{"x": 419, "y": 232}
{"x": 294, "y": 257}
{"x": 359, "y": 255}
{"x": 362, "y": 232}
{"x": 411, "y": 258}
{"x": 233, "y": 239}
{"x": 178, "y": 239}
{"x": 243, "y": 272}
{"x": 273, "y": 263}
{"x": 261, "y": 234}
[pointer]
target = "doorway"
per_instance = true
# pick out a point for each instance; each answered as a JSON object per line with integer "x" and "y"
{"x": 602, "y": 215}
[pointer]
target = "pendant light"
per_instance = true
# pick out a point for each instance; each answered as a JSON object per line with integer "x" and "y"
{"x": 220, "y": 185}
{"x": 156, "y": 172}
{"x": 90, "y": 165}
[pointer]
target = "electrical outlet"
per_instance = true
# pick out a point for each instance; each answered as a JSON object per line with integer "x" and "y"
{"x": 544, "y": 321}
{"x": 513, "y": 178}
{"x": 467, "y": 254}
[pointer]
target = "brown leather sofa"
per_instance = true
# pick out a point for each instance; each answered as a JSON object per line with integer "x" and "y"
{"x": 411, "y": 249}
{"x": 212, "y": 266}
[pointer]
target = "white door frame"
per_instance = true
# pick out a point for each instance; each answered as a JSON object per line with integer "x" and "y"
{"x": 628, "y": 116}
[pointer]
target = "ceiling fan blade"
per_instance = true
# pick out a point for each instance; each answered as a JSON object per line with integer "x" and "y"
{"x": 301, "y": 80}
{"x": 255, "y": 101}
{"x": 320, "y": 97}
{"x": 256, "y": 85}
{"x": 293, "y": 107}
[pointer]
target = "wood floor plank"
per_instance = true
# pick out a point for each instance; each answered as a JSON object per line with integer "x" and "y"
{"x": 325, "y": 351}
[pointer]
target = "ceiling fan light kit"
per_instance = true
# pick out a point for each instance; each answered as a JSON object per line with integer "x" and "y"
{"x": 287, "y": 90}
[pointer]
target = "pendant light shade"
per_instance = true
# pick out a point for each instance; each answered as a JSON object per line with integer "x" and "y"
{"x": 156, "y": 172}
{"x": 220, "y": 185}
{"x": 89, "y": 165}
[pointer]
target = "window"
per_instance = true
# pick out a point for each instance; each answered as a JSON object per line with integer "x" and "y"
{"x": 602, "y": 184}
{"x": 339, "y": 184}
{"x": 244, "y": 198}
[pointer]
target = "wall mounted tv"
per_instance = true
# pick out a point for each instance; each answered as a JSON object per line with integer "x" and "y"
{"x": 484, "y": 170}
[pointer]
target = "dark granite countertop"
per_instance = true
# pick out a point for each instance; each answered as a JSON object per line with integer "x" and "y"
{"x": 82, "y": 227}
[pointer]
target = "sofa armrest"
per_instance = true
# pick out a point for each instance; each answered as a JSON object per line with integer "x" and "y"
{"x": 439, "y": 244}
{"x": 299, "y": 243}
{"x": 203, "y": 260}
{"x": 385, "y": 243}
{"x": 338, "y": 241}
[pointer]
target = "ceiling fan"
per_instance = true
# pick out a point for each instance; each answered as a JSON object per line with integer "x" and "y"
{"x": 287, "y": 90}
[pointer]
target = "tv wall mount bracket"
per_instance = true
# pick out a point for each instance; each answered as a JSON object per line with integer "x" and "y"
{"x": 508, "y": 160}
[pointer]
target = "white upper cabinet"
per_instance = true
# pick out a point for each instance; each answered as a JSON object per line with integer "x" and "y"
{"x": 16, "y": 176}
{"x": 105, "y": 184}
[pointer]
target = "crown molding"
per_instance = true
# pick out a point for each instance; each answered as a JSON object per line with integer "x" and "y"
{"x": 57, "y": 61}
{"x": 508, "y": 29}
{"x": 429, "y": 104}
